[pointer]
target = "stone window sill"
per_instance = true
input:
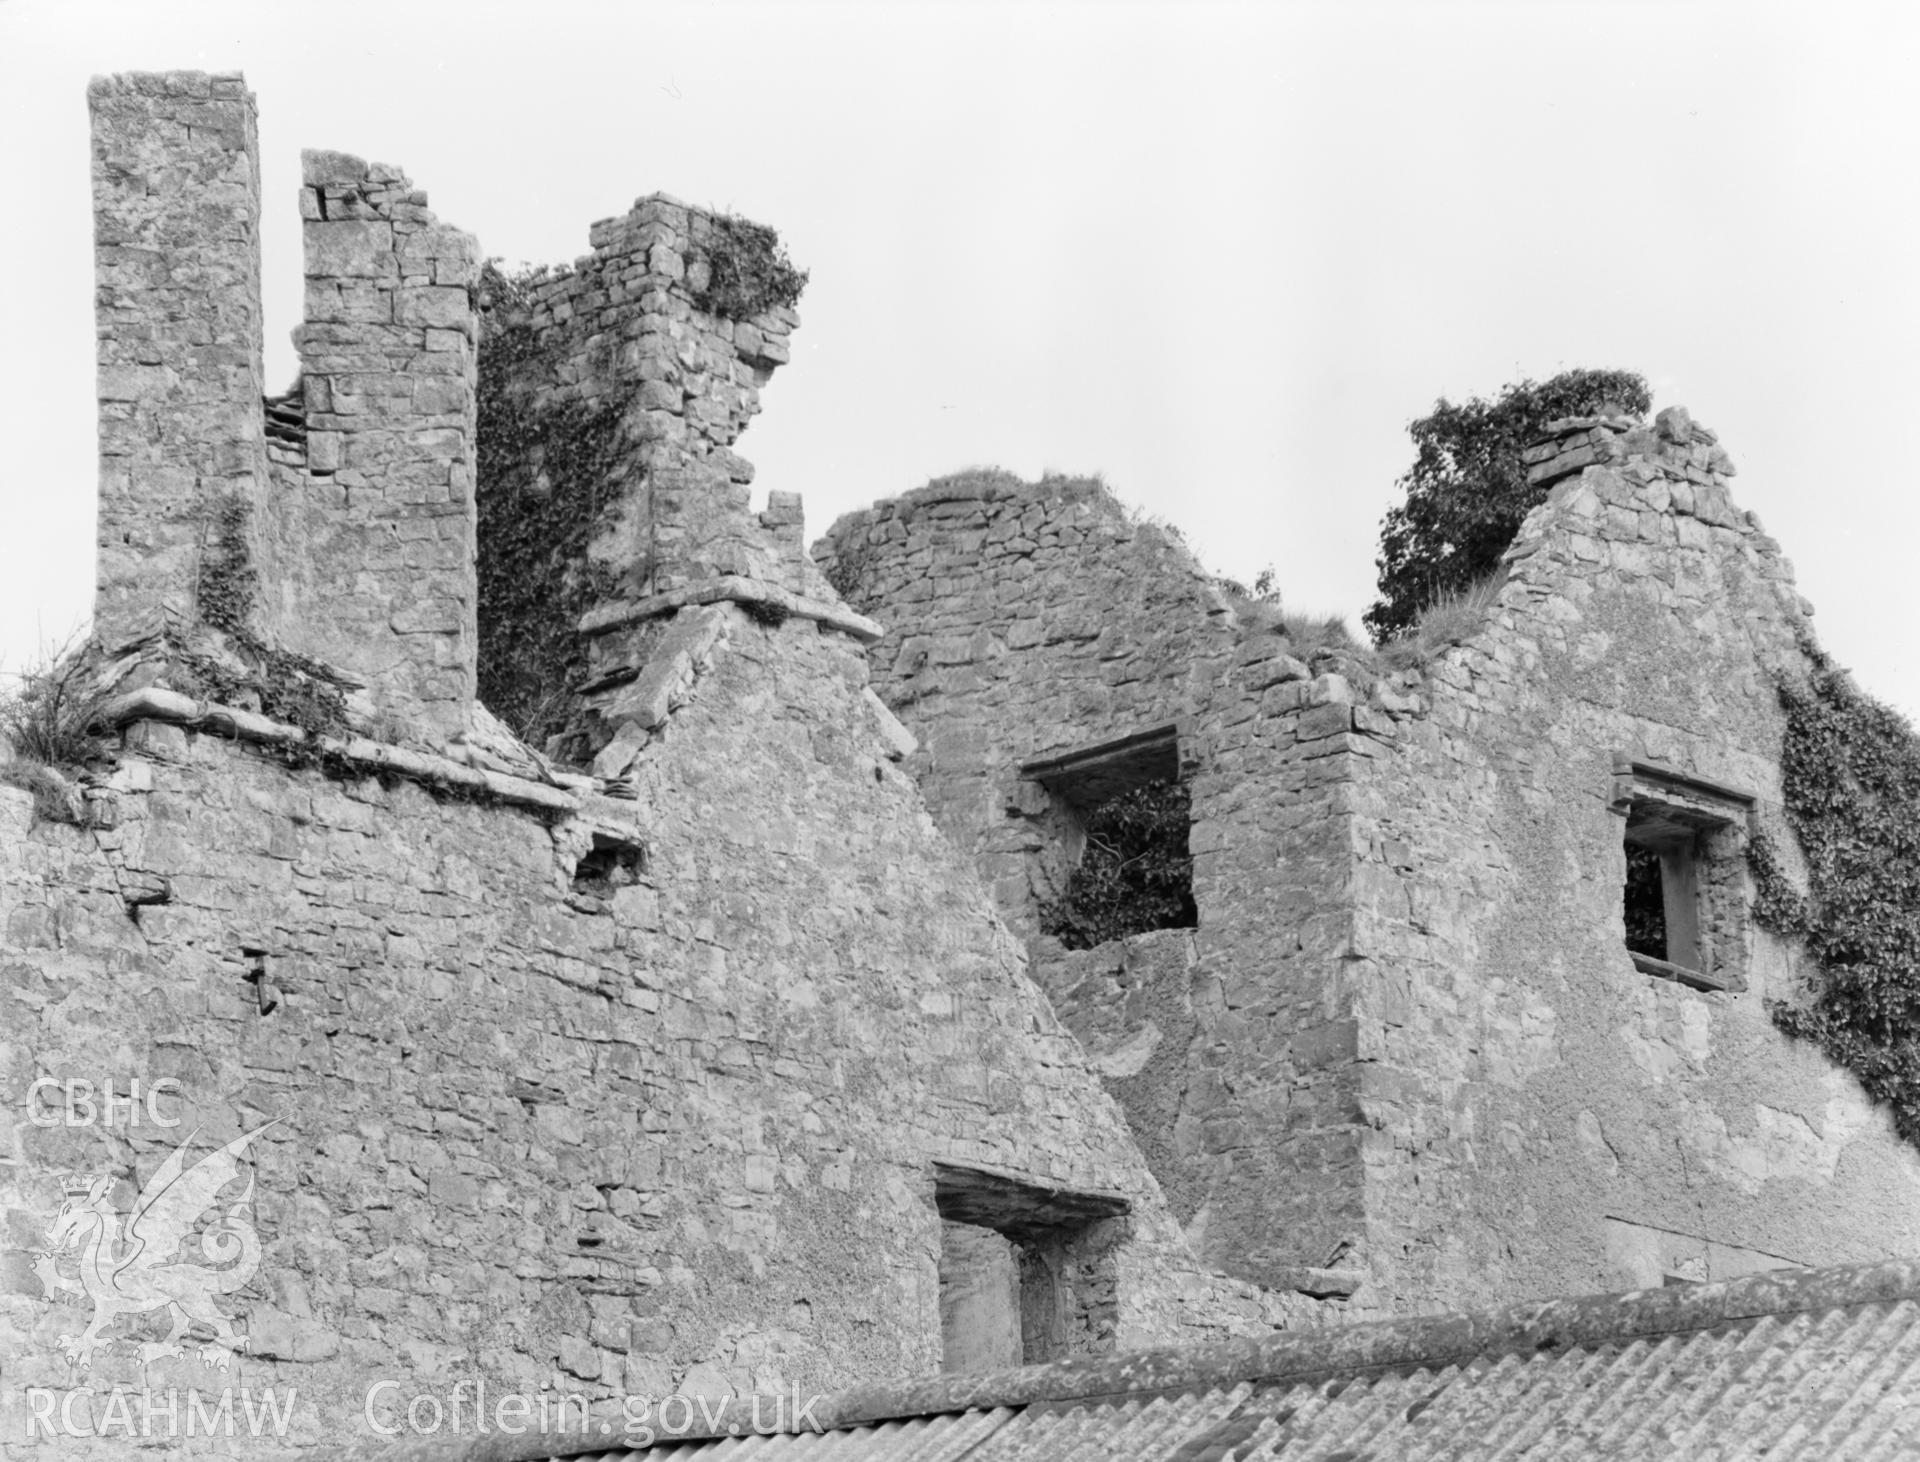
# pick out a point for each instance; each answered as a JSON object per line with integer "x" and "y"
{"x": 1661, "y": 969}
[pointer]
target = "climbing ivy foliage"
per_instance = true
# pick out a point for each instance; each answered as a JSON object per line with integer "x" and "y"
{"x": 1851, "y": 769}
{"x": 228, "y": 582}
{"x": 546, "y": 473}
{"x": 748, "y": 271}
{"x": 1136, "y": 873}
{"x": 289, "y": 688}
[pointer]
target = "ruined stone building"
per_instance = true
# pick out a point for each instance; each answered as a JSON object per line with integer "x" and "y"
{"x": 712, "y": 1044}
{"x": 1404, "y": 1037}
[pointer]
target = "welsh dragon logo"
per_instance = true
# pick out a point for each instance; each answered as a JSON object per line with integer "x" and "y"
{"x": 138, "y": 1269}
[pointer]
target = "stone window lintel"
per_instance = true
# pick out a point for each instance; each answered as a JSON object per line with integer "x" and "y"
{"x": 1087, "y": 775}
{"x": 1699, "y": 828}
{"x": 1062, "y": 1290}
{"x": 1697, "y": 798}
{"x": 1017, "y": 1207}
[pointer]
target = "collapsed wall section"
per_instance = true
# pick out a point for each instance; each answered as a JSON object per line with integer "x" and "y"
{"x": 1026, "y": 620}
{"x": 1549, "y": 1111}
{"x": 615, "y": 390}
{"x": 176, "y": 210}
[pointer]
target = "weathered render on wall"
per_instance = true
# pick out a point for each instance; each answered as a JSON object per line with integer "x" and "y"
{"x": 1543, "y": 1117}
{"x": 1407, "y": 1031}
{"x": 733, "y": 1058}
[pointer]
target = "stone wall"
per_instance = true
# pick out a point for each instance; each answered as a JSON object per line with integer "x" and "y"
{"x": 342, "y": 533}
{"x": 176, "y": 215}
{"x": 1027, "y": 619}
{"x": 685, "y": 1076}
{"x": 664, "y": 1080}
{"x": 1542, "y": 1117}
{"x": 1406, "y": 1055}
{"x": 673, "y": 1133}
{"x": 626, "y": 349}
{"x": 376, "y": 575}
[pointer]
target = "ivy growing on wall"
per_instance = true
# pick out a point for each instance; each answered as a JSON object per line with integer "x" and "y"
{"x": 1851, "y": 769}
{"x": 289, "y": 688}
{"x": 1136, "y": 874}
{"x": 546, "y": 473}
{"x": 748, "y": 271}
{"x": 228, "y": 582}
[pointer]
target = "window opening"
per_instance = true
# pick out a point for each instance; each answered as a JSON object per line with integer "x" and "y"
{"x": 1684, "y": 900}
{"x": 1646, "y": 903}
{"x": 1125, "y": 813}
{"x": 1027, "y": 1273}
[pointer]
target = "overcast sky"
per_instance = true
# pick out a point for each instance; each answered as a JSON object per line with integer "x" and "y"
{"x": 1220, "y": 253}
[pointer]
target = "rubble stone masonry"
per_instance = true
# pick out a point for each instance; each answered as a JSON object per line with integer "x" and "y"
{"x": 376, "y": 518}
{"x": 720, "y": 1051}
{"x": 1406, "y": 1054}
{"x": 631, "y": 333}
{"x": 176, "y": 207}
{"x": 676, "y": 1133}
{"x": 637, "y": 1082}
{"x": 1029, "y": 619}
{"x": 1542, "y": 1117}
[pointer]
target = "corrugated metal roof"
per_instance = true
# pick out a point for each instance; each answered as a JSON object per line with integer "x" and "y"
{"x": 1798, "y": 1364}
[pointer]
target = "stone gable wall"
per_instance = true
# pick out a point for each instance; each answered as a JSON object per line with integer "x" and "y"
{"x": 1027, "y": 619}
{"x": 1542, "y": 1118}
{"x": 676, "y": 1134}
{"x": 636, "y": 1086}
{"x": 1406, "y": 1055}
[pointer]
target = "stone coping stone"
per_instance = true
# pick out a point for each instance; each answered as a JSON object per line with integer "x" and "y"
{"x": 174, "y": 708}
{"x": 738, "y": 590}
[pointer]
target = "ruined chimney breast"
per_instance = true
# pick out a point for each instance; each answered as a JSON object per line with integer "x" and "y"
{"x": 615, "y": 390}
{"x": 388, "y": 363}
{"x": 411, "y": 534}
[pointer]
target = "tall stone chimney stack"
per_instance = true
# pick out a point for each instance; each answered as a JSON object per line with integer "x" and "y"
{"x": 176, "y": 217}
